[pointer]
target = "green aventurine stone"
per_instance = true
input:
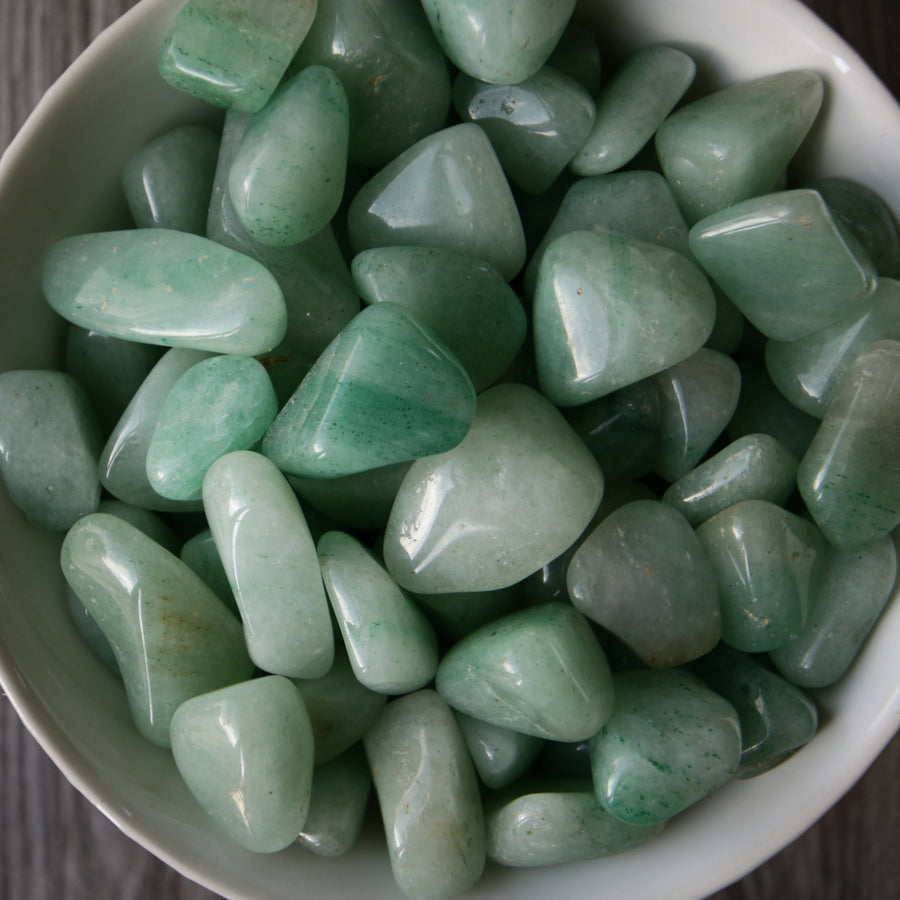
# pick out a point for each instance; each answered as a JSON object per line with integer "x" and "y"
{"x": 512, "y": 496}
{"x": 609, "y": 311}
{"x": 540, "y": 671}
{"x": 449, "y": 292}
{"x": 763, "y": 558}
{"x": 448, "y": 190}
{"x": 500, "y": 754}
{"x": 219, "y": 405}
{"x": 200, "y": 553}
{"x": 669, "y": 742}
{"x": 577, "y": 55}
{"x": 287, "y": 177}
{"x": 808, "y": 370}
{"x": 846, "y": 599}
{"x": 246, "y": 754}
{"x": 849, "y": 477}
{"x": 392, "y": 68}
{"x": 503, "y": 43}
{"x": 172, "y": 637}
{"x": 736, "y": 143}
{"x": 91, "y": 632}
{"x": 455, "y": 615}
{"x": 49, "y": 444}
{"x": 553, "y": 822}
{"x": 429, "y": 798}
{"x": 168, "y": 182}
{"x": 392, "y": 648}
{"x": 159, "y": 286}
{"x": 754, "y": 467}
{"x": 784, "y": 261}
{"x": 643, "y": 575}
{"x": 233, "y": 53}
{"x": 269, "y": 555}
{"x": 385, "y": 390}
{"x": 154, "y": 526}
{"x": 536, "y": 126}
{"x": 631, "y": 106}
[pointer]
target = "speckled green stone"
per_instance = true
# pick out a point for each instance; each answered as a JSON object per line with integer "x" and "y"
{"x": 246, "y": 754}
{"x": 200, "y": 553}
{"x": 669, "y": 742}
{"x": 500, "y": 754}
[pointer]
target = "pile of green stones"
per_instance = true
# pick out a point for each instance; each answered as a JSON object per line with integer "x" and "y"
{"x": 547, "y": 541}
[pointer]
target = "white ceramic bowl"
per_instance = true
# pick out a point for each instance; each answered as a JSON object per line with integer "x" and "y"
{"x": 60, "y": 176}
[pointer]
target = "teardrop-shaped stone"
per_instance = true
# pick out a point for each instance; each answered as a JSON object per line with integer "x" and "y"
{"x": 200, "y": 553}
{"x": 159, "y": 286}
{"x": 500, "y": 754}
{"x": 504, "y": 43}
{"x": 458, "y": 613}
{"x": 384, "y": 391}
{"x": 428, "y": 794}
{"x": 540, "y": 671}
{"x": 448, "y": 190}
{"x": 246, "y": 754}
{"x": 449, "y": 292}
{"x": 172, "y": 637}
{"x": 609, "y": 311}
{"x": 736, "y": 143}
{"x": 783, "y": 260}
{"x": 512, "y": 496}
{"x": 577, "y": 55}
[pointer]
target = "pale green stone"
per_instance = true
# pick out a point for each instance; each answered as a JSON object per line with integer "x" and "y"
{"x": 49, "y": 444}
{"x": 849, "y": 592}
{"x": 500, "y": 42}
{"x": 246, "y": 754}
{"x": 465, "y": 301}
{"x": 448, "y": 190}
{"x": 849, "y": 477}
{"x": 763, "y": 558}
{"x": 577, "y": 55}
{"x": 154, "y": 526}
{"x": 200, "y": 553}
{"x": 265, "y": 545}
{"x": 609, "y": 311}
{"x": 159, "y": 286}
{"x": 736, "y": 143}
{"x": 631, "y": 106}
{"x": 90, "y": 632}
{"x": 232, "y": 53}
{"x": 392, "y": 648}
{"x": 219, "y": 405}
{"x": 385, "y": 390}
{"x": 500, "y": 754}
{"x": 428, "y": 794}
{"x": 454, "y": 615}
{"x": 754, "y": 467}
{"x": 728, "y": 332}
{"x": 540, "y": 671}
{"x": 172, "y": 637}
{"x": 669, "y": 742}
{"x": 553, "y": 822}
{"x": 784, "y": 261}
{"x": 808, "y": 370}
{"x": 168, "y": 182}
{"x": 512, "y": 496}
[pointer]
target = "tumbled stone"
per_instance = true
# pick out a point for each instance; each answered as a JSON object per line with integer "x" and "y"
{"x": 90, "y": 632}
{"x": 500, "y": 755}
{"x": 200, "y": 553}
{"x": 456, "y": 614}
{"x": 151, "y": 524}
{"x": 512, "y": 496}
{"x": 246, "y": 754}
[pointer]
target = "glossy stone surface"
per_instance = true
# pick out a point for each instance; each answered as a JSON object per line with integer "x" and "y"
{"x": 428, "y": 794}
{"x": 783, "y": 260}
{"x": 172, "y": 637}
{"x": 669, "y": 742}
{"x": 849, "y": 477}
{"x": 449, "y": 292}
{"x": 385, "y": 390}
{"x": 512, "y": 496}
{"x": 763, "y": 558}
{"x": 49, "y": 444}
{"x": 500, "y": 754}
{"x": 168, "y": 182}
{"x": 448, "y": 190}
{"x": 90, "y": 632}
{"x": 539, "y": 671}
{"x": 233, "y": 53}
{"x": 503, "y": 43}
{"x": 151, "y": 524}
{"x": 609, "y": 311}
{"x": 632, "y": 105}
{"x": 737, "y": 142}
{"x": 456, "y": 614}
{"x": 200, "y": 553}
{"x": 159, "y": 286}
{"x": 246, "y": 754}
{"x": 266, "y": 548}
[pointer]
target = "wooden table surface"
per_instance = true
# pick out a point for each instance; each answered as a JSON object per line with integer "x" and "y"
{"x": 55, "y": 846}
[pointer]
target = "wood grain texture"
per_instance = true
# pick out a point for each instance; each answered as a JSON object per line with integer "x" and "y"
{"x": 55, "y": 846}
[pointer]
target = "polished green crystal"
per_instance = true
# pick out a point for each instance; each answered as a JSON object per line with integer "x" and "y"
{"x": 456, "y": 614}
{"x": 151, "y": 524}
{"x": 200, "y": 553}
{"x": 500, "y": 754}
{"x": 90, "y": 632}
{"x": 577, "y": 55}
